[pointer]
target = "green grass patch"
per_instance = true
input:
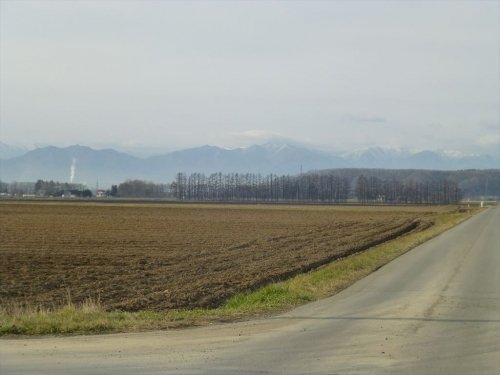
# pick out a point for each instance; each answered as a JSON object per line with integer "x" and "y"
{"x": 279, "y": 296}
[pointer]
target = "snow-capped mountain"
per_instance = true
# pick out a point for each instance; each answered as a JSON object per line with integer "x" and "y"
{"x": 110, "y": 167}
{"x": 377, "y": 157}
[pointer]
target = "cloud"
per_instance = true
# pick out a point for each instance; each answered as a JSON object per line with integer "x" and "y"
{"x": 341, "y": 74}
{"x": 489, "y": 125}
{"x": 258, "y": 134}
{"x": 488, "y": 140}
{"x": 363, "y": 118}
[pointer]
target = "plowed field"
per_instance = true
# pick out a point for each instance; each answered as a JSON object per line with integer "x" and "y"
{"x": 158, "y": 257}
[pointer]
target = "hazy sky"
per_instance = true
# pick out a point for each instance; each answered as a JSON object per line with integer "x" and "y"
{"x": 338, "y": 74}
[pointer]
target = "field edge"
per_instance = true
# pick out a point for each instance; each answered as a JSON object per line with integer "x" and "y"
{"x": 279, "y": 296}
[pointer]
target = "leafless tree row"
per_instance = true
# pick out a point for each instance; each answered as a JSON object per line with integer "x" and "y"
{"x": 312, "y": 186}
{"x": 255, "y": 187}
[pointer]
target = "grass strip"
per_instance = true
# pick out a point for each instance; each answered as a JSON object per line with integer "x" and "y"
{"x": 90, "y": 318}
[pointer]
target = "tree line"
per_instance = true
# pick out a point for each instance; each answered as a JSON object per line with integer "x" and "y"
{"x": 256, "y": 187}
{"x": 45, "y": 189}
{"x": 58, "y": 189}
{"x": 140, "y": 189}
{"x": 372, "y": 189}
{"x": 321, "y": 186}
{"x": 328, "y": 186}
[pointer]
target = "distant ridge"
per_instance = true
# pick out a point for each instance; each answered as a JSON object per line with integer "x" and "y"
{"x": 377, "y": 157}
{"x": 109, "y": 166}
{"x": 9, "y": 151}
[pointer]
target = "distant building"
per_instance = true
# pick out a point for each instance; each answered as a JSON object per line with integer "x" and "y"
{"x": 100, "y": 193}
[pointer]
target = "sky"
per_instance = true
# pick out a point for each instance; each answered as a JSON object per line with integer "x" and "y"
{"x": 339, "y": 75}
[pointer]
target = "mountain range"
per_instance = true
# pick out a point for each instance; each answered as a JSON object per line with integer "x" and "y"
{"x": 10, "y": 151}
{"x": 85, "y": 165}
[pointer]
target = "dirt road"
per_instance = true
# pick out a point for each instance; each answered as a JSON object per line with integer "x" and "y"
{"x": 435, "y": 310}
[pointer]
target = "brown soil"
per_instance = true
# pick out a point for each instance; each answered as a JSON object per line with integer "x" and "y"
{"x": 135, "y": 256}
